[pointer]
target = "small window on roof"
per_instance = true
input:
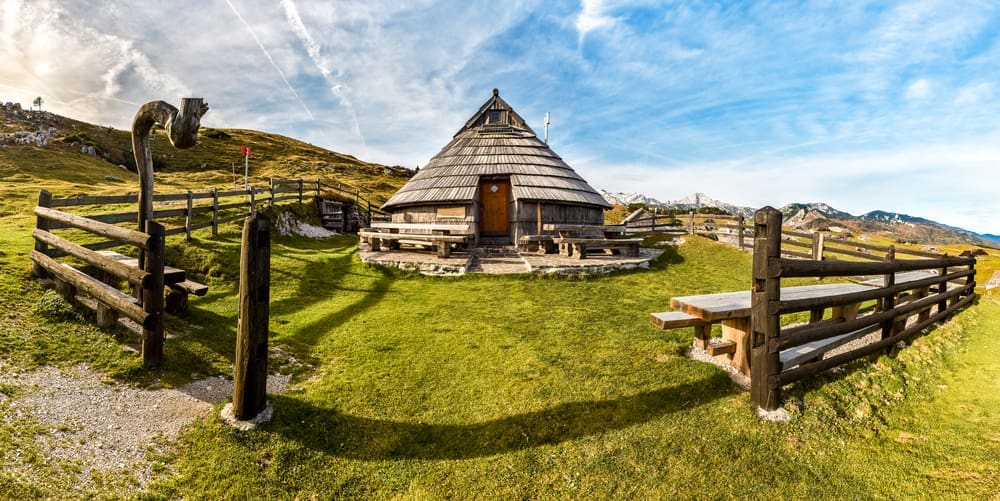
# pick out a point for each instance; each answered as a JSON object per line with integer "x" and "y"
{"x": 495, "y": 117}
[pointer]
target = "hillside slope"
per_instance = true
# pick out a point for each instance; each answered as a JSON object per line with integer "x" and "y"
{"x": 65, "y": 156}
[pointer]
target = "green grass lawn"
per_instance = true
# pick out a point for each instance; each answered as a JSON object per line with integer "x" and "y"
{"x": 514, "y": 386}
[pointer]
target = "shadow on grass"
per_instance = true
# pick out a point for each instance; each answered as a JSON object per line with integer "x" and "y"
{"x": 331, "y": 432}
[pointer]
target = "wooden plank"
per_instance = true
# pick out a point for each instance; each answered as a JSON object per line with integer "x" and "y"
{"x": 171, "y": 275}
{"x": 795, "y": 268}
{"x": 97, "y": 200}
{"x": 123, "y": 303}
{"x": 190, "y": 287}
{"x": 674, "y": 320}
{"x": 99, "y": 260}
{"x": 794, "y": 356}
{"x": 721, "y": 348}
{"x": 737, "y": 330}
{"x": 136, "y": 238}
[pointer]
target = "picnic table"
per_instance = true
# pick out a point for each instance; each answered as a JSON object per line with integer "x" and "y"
{"x": 577, "y": 239}
{"x": 438, "y": 235}
{"x": 732, "y": 311}
{"x": 175, "y": 279}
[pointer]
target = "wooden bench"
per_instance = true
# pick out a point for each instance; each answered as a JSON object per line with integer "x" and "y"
{"x": 175, "y": 280}
{"x": 578, "y": 247}
{"x": 542, "y": 244}
{"x": 702, "y": 330}
{"x": 440, "y": 236}
{"x": 814, "y": 350}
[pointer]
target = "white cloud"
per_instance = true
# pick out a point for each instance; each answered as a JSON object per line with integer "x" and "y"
{"x": 919, "y": 90}
{"x": 974, "y": 94}
{"x": 592, "y": 16}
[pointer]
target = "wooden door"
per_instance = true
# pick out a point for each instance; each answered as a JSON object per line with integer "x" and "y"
{"x": 493, "y": 202}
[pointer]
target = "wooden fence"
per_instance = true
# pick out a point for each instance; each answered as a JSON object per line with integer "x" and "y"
{"x": 816, "y": 246}
{"x": 897, "y": 302}
{"x": 210, "y": 208}
{"x": 146, "y": 308}
{"x": 188, "y": 212}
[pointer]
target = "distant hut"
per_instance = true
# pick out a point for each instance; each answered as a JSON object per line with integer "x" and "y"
{"x": 499, "y": 176}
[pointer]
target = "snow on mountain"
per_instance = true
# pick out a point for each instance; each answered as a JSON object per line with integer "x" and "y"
{"x": 628, "y": 198}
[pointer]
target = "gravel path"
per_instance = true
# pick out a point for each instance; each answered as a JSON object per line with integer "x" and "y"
{"x": 109, "y": 427}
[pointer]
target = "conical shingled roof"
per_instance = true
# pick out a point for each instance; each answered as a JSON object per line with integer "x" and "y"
{"x": 496, "y": 141}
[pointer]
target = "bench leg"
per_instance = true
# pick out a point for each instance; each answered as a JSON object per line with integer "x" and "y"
{"x": 176, "y": 302}
{"x": 702, "y": 336}
{"x": 106, "y": 316}
{"x": 579, "y": 251}
{"x": 737, "y": 330}
{"x": 443, "y": 249}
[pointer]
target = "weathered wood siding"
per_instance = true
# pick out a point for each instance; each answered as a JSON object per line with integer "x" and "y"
{"x": 525, "y": 216}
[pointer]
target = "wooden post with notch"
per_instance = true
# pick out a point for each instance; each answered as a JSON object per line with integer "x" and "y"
{"x": 889, "y": 301}
{"x": 765, "y": 327}
{"x": 250, "y": 365}
{"x": 152, "y": 296}
{"x": 740, "y": 224}
{"x": 188, "y": 215}
{"x": 215, "y": 212}
{"x": 817, "y": 246}
{"x": 44, "y": 200}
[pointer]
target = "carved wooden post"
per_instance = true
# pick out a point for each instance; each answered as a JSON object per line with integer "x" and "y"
{"x": 250, "y": 365}
{"x": 44, "y": 200}
{"x": 182, "y": 129}
{"x": 765, "y": 327}
{"x": 152, "y": 296}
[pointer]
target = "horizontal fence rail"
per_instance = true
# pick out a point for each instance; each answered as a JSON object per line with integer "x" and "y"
{"x": 210, "y": 208}
{"x": 777, "y": 355}
{"x": 816, "y": 246}
{"x": 145, "y": 307}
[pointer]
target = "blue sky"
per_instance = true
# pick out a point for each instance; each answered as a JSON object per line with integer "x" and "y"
{"x": 864, "y": 106}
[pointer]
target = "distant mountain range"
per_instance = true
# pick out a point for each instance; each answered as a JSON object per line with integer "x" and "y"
{"x": 821, "y": 216}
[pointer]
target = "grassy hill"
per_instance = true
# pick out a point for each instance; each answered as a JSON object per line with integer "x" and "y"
{"x": 498, "y": 387}
{"x": 209, "y": 164}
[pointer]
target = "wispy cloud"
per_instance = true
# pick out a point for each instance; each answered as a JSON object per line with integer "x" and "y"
{"x": 270, "y": 59}
{"x": 592, "y": 16}
{"x": 313, "y": 49}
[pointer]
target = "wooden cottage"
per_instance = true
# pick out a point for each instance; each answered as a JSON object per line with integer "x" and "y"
{"x": 497, "y": 175}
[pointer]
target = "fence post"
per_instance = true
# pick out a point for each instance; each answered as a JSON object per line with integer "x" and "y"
{"x": 152, "y": 297}
{"x": 319, "y": 186}
{"x": 187, "y": 217}
{"x": 272, "y": 191}
{"x": 250, "y": 365}
{"x": 691, "y": 223}
{"x": 889, "y": 302}
{"x": 252, "y": 201}
{"x": 215, "y": 212}
{"x": 765, "y": 327}
{"x": 44, "y": 200}
{"x": 817, "y": 246}
{"x": 740, "y": 223}
{"x": 357, "y": 196}
{"x": 300, "y": 190}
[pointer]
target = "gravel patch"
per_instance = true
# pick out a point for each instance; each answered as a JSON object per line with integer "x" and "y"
{"x": 110, "y": 427}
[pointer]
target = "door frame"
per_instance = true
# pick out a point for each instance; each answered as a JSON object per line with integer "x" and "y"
{"x": 483, "y": 183}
